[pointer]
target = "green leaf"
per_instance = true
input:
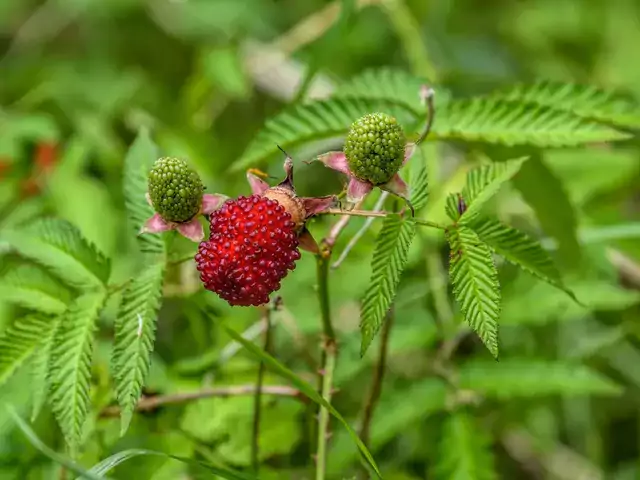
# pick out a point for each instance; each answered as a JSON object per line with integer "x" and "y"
{"x": 531, "y": 377}
{"x": 451, "y": 206}
{"x": 484, "y": 182}
{"x": 135, "y": 328}
{"x": 70, "y": 366}
{"x": 117, "y": 458}
{"x": 587, "y": 101}
{"x": 464, "y": 450}
{"x": 319, "y": 120}
{"x": 139, "y": 160}
{"x": 513, "y": 123}
{"x": 59, "y": 245}
{"x": 19, "y": 341}
{"x": 53, "y": 455}
{"x": 388, "y": 262}
{"x": 40, "y": 382}
{"x": 33, "y": 288}
{"x": 305, "y": 388}
{"x": 393, "y": 87}
{"x": 475, "y": 284}
{"x": 419, "y": 179}
{"x": 521, "y": 250}
{"x": 552, "y": 206}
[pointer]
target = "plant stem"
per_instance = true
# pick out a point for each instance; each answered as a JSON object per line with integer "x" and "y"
{"x": 329, "y": 350}
{"x": 151, "y": 403}
{"x": 378, "y": 377}
{"x": 257, "y": 410}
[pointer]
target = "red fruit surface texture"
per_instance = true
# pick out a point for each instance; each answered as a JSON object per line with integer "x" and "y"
{"x": 252, "y": 247}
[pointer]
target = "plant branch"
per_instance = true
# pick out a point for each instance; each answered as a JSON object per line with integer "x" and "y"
{"x": 376, "y": 214}
{"x": 352, "y": 243}
{"x": 257, "y": 410}
{"x": 151, "y": 403}
{"x": 378, "y": 377}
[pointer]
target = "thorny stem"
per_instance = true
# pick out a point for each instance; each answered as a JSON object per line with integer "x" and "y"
{"x": 378, "y": 377}
{"x": 368, "y": 213}
{"x": 329, "y": 351}
{"x": 151, "y": 403}
{"x": 257, "y": 410}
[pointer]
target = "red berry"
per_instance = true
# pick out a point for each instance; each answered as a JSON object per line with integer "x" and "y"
{"x": 253, "y": 245}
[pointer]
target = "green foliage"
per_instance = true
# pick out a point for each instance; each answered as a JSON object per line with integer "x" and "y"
{"x": 475, "y": 284}
{"x": 531, "y": 377}
{"x": 587, "y": 101}
{"x": 58, "y": 245}
{"x": 134, "y": 337}
{"x": 139, "y": 160}
{"x": 552, "y": 206}
{"x": 39, "y": 364}
{"x": 70, "y": 364}
{"x": 387, "y": 264}
{"x": 520, "y": 249}
{"x": 306, "y": 389}
{"x": 465, "y": 450}
{"x": 34, "y": 288}
{"x": 514, "y": 123}
{"x": 419, "y": 180}
{"x": 484, "y": 182}
{"x": 19, "y": 341}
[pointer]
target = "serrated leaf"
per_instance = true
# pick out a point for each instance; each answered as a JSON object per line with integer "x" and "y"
{"x": 19, "y": 341}
{"x": 305, "y": 388}
{"x": 552, "y": 206}
{"x": 521, "y": 250}
{"x": 388, "y": 262}
{"x": 313, "y": 121}
{"x": 515, "y": 123}
{"x": 484, "y": 182}
{"x": 70, "y": 367}
{"x": 139, "y": 160}
{"x": 475, "y": 284}
{"x": 40, "y": 362}
{"x": 33, "y": 288}
{"x": 451, "y": 206}
{"x": 464, "y": 450}
{"x": 587, "y": 101}
{"x": 135, "y": 328}
{"x": 419, "y": 179}
{"x": 394, "y": 87}
{"x": 59, "y": 246}
{"x": 529, "y": 377}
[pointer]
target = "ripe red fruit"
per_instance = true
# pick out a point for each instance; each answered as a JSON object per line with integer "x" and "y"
{"x": 252, "y": 247}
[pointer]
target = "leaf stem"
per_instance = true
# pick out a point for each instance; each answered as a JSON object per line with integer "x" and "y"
{"x": 378, "y": 214}
{"x": 257, "y": 410}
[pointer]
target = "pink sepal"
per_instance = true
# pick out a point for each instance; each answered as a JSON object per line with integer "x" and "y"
{"x": 156, "y": 224}
{"x": 357, "y": 190}
{"x": 315, "y": 205}
{"x": 409, "y": 150}
{"x": 398, "y": 187}
{"x": 258, "y": 186}
{"x": 192, "y": 230}
{"x": 211, "y": 202}
{"x": 336, "y": 161}
{"x": 307, "y": 242}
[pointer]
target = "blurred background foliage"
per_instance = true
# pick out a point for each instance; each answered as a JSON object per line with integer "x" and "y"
{"x": 79, "y": 77}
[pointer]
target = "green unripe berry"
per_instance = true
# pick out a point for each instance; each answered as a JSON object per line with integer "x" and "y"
{"x": 175, "y": 189}
{"x": 375, "y": 148}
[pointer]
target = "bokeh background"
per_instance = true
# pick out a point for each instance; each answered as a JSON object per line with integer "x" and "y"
{"x": 78, "y": 78}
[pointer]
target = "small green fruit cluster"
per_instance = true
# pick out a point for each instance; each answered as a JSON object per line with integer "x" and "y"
{"x": 375, "y": 148}
{"x": 175, "y": 190}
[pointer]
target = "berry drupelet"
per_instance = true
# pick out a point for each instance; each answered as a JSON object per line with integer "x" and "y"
{"x": 252, "y": 247}
{"x": 254, "y": 240}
